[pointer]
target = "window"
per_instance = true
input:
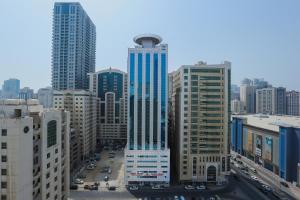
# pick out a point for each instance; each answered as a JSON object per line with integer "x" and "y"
{"x": 3, "y": 197}
{"x": 51, "y": 133}
{"x": 3, "y": 145}
{"x": 48, "y": 155}
{"x": 3, "y": 158}
{"x": 4, "y": 132}
{"x": 48, "y": 165}
{"x": 3, "y": 185}
{"x": 3, "y": 172}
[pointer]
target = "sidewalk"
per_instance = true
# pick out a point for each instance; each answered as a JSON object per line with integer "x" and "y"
{"x": 272, "y": 178}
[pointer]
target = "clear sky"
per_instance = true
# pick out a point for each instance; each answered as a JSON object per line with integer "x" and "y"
{"x": 260, "y": 37}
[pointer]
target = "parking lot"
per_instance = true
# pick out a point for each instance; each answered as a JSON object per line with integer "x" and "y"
{"x": 110, "y": 165}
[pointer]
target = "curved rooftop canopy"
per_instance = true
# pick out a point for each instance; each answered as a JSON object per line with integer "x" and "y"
{"x": 155, "y": 39}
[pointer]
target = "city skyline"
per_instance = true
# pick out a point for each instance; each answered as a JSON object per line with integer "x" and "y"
{"x": 250, "y": 41}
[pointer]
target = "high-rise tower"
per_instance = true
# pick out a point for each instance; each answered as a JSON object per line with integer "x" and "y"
{"x": 147, "y": 154}
{"x": 73, "y": 47}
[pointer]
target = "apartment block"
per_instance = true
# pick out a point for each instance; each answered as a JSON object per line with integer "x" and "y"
{"x": 293, "y": 103}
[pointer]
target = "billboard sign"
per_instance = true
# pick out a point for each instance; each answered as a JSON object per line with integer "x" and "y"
{"x": 268, "y": 148}
{"x": 258, "y": 145}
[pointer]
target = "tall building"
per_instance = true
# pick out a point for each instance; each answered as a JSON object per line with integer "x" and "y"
{"x": 293, "y": 103}
{"x": 247, "y": 97}
{"x": 82, "y": 107}
{"x": 235, "y": 92}
{"x": 237, "y": 107}
{"x": 73, "y": 47}
{"x": 26, "y": 93}
{"x": 147, "y": 155}
{"x": 266, "y": 101}
{"x": 11, "y": 88}
{"x": 35, "y": 151}
{"x": 280, "y": 101}
{"x": 45, "y": 97}
{"x": 260, "y": 83}
{"x": 201, "y": 107}
{"x": 110, "y": 86}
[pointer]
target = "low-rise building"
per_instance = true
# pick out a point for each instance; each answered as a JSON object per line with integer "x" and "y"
{"x": 270, "y": 140}
{"x": 34, "y": 151}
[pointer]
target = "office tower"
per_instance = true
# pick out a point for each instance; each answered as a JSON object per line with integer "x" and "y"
{"x": 266, "y": 101}
{"x": 35, "y": 151}
{"x": 201, "y": 107}
{"x": 26, "y": 93}
{"x": 247, "y": 97}
{"x": 293, "y": 103}
{"x": 147, "y": 155}
{"x": 110, "y": 86}
{"x": 237, "y": 107}
{"x": 260, "y": 83}
{"x": 235, "y": 92}
{"x": 82, "y": 107}
{"x": 73, "y": 47}
{"x": 11, "y": 88}
{"x": 247, "y": 81}
{"x": 280, "y": 101}
{"x": 45, "y": 97}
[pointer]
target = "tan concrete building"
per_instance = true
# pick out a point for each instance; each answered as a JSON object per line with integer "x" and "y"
{"x": 201, "y": 111}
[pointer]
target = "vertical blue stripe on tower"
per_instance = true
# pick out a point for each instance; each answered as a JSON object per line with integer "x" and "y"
{"x": 163, "y": 101}
{"x": 140, "y": 99}
{"x": 131, "y": 103}
{"x": 155, "y": 101}
{"x": 147, "y": 113}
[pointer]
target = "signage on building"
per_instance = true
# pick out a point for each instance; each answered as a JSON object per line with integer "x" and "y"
{"x": 268, "y": 148}
{"x": 258, "y": 145}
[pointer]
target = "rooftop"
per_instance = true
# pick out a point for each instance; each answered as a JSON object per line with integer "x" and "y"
{"x": 271, "y": 122}
{"x": 140, "y": 39}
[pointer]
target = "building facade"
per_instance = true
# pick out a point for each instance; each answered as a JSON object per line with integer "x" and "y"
{"x": 247, "y": 97}
{"x": 147, "y": 155}
{"x": 73, "y": 47}
{"x": 26, "y": 93}
{"x": 293, "y": 103}
{"x": 280, "y": 101}
{"x": 82, "y": 107}
{"x": 110, "y": 86}
{"x": 201, "y": 109}
{"x": 270, "y": 140}
{"x": 11, "y": 89}
{"x": 45, "y": 97}
{"x": 266, "y": 101}
{"x": 35, "y": 146}
{"x": 237, "y": 107}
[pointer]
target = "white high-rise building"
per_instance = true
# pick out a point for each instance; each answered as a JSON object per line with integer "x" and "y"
{"x": 147, "y": 155}
{"x": 82, "y": 107}
{"x": 237, "y": 107}
{"x": 293, "y": 103}
{"x": 247, "y": 97}
{"x": 45, "y": 97}
{"x": 34, "y": 151}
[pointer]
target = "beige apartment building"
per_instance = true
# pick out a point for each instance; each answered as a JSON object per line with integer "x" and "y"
{"x": 201, "y": 112}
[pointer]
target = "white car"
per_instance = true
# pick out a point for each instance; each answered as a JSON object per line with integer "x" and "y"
{"x": 189, "y": 187}
{"x": 134, "y": 187}
{"x": 200, "y": 187}
{"x": 267, "y": 187}
{"x": 254, "y": 178}
{"x": 78, "y": 181}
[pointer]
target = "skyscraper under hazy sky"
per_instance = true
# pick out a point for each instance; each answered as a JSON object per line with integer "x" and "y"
{"x": 147, "y": 154}
{"x": 73, "y": 48}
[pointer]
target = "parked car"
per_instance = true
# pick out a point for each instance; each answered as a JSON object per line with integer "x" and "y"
{"x": 93, "y": 187}
{"x": 90, "y": 167}
{"x": 112, "y": 188}
{"x": 82, "y": 176}
{"x": 78, "y": 181}
{"x": 109, "y": 171}
{"x": 268, "y": 188}
{"x": 97, "y": 183}
{"x": 189, "y": 187}
{"x": 254, "y": 178}
{"x": 106, "y": 178}
{"x": 284, "y": 184}
{"x": 133, "y": 187}
{"x": 87, "y": 187}
{"x": 200, "y": 187}
{"x": 73, "y": 187}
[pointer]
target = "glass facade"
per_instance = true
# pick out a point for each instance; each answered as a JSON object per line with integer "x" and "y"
{"x": 110, "y": 82}
{"x": 140, "y": 100}
{"x": 163, "y": 100}
{"x": 51, "y": 133}
{"x": 155, "y": 100}
{"x": 131, "y": 102}
{"x": 147, "y": 116}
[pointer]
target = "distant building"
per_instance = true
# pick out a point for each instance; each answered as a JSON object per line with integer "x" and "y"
{"x": 247, "y": 81}
{"x": 45, "y": 97}
{"x": 35, "y": 151}
{"x": 201, "y": 110}
{"x": 235, "y": 92}
{"x": 270, "y": 140}
{"x": 247, "y": 97}
{"x": 110, "y": 86}
{"x": 26, "y": 93}
{"x": 73, "y": 47}
{"x": 147, "y": 155}
{"x": 293, "y": 103}
{"x": 280, "y": 101}
{"x": 11, "y": 88}
{"x": 260, "y": 83}
{"x": 237, "y": 107}
{"x": 82, "y": 107}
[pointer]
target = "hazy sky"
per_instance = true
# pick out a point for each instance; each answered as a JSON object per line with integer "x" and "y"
{"x": 260, "y": 37}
